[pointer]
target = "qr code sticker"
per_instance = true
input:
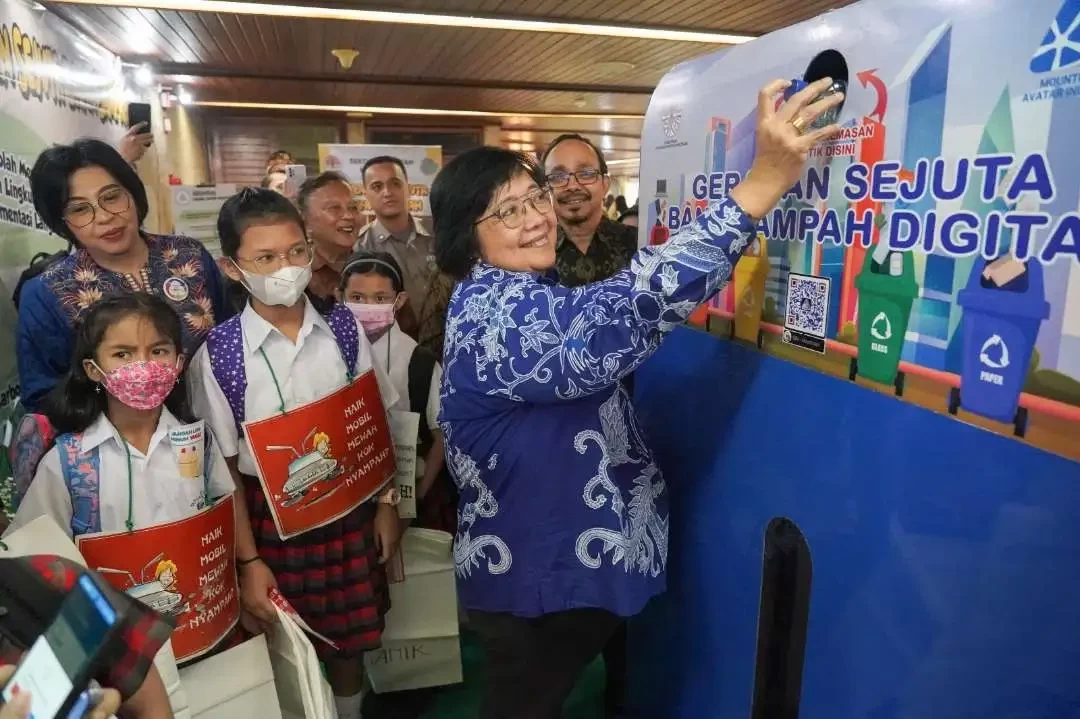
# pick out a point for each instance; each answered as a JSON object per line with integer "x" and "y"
{"x": 807, "y": 304}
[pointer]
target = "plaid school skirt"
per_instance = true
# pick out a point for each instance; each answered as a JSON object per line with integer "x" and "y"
{"x": 331, "y": 575}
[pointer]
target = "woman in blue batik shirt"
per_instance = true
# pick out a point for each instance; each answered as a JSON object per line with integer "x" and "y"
{"x": 563, "y": 513}
{"x": 89, "y": 195}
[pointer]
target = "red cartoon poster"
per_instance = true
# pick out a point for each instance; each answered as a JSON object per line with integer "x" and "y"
{"x": 318, "y": 462}
{"x": 184, "y": 569}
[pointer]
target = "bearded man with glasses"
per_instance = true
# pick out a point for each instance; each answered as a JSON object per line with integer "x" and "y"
{"x": 590, "y": 246}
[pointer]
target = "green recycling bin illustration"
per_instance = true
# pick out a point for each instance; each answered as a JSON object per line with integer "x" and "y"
{"x": 887, "y": 290}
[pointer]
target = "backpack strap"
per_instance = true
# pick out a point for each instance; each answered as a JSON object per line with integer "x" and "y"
{"x": 343, "y": 325}
{"x": 225, "y": 345}
{"x": 208, "y": 464}
{"x": 421, "y": 368}
{"x": 33, "y": 437}
{"x": 82, "y": 475}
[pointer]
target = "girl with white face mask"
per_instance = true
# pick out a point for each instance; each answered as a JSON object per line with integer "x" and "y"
{"x": 286, "y": 350}
{"x": 373, "y": 288}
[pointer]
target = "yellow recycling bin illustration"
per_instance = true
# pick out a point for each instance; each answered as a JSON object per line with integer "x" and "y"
{"x": 749, "y": 289}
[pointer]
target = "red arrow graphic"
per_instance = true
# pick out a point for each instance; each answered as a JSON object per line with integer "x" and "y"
{"x": 868, "y": 77}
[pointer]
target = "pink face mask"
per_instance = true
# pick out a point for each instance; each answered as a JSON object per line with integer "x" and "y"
{"x": 141, "y": 385}
{"x": 375, "y": 319}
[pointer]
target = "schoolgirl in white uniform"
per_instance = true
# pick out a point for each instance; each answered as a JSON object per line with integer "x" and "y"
{"x": 373, "y": 288}
{"x": 283, "y": 351}
{"x": 117, "y": 415}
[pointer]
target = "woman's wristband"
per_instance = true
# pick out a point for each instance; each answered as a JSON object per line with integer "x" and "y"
{"x": 245, "y": 562}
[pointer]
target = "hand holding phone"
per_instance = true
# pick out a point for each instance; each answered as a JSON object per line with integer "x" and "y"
{"x": 56, "y": 670}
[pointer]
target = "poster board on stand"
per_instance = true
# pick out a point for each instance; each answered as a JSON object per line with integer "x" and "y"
{"x": 195, "y": 212}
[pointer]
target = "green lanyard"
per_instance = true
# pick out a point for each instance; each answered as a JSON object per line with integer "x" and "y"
{"x": 129, "y": 523}
{"x": 349, "y": 376}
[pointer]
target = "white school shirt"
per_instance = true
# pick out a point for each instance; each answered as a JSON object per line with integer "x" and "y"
{"x": 306, "y": 371}
{"x": 159, "y": 494}
{"x": 393, "y": 351}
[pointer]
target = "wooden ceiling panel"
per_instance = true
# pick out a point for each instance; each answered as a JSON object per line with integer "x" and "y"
{"x": 244, "y": 58}
{"x": 434, "y": 96}
{"x": 303, "y": 46}
{"x": 741, "y": 16}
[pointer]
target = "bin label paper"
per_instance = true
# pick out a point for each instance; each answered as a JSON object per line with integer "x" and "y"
{"x": 405, "y": 428}
{"x": 807, "y": 312}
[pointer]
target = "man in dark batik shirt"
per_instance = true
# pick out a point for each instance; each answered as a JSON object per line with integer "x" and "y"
{"x": 590, "y": 247}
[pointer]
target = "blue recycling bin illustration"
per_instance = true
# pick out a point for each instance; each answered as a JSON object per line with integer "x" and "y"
{"x": 1001, "y": 324}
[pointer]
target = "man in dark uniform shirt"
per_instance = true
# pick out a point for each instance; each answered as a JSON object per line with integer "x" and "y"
{"x": 590, "y": 247}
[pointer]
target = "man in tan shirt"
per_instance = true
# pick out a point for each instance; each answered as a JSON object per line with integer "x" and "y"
{"x": 396, "y": 231}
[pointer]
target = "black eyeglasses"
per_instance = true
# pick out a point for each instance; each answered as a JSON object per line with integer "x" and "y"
{"x": 512, "y": 213}
{"x": 115, "y": 201}
{"x": 584, "y": 177}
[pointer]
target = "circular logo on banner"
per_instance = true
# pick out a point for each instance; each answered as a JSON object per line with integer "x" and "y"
{"x": 175, "y": 289}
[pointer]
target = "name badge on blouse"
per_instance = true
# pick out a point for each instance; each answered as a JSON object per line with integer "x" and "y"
{"x": 187, "y": 445}
{"x": 176, "y": 289}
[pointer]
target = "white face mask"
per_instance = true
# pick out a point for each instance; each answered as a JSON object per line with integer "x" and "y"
{"x": 281, "y": 288}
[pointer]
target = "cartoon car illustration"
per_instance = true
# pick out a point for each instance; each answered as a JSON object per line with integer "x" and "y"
{"x": 151, "y": 592}
{"x": 308, "y": 469}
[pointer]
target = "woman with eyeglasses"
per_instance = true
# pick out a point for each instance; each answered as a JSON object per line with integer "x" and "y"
{"x": 563, "y": 514}
{"x": 89, "y": 195}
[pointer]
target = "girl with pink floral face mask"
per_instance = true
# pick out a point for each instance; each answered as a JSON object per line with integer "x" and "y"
{"x": 122, "y": 409}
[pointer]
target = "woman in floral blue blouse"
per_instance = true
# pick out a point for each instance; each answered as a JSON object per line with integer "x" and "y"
{"x": 89, "y": 195}
{"x": 563, "y": 514}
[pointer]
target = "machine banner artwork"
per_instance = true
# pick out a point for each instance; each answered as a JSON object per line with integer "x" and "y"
{"x": 944, "y": 216}
{"x": 185, "y": 570}
{"x": 319, "y": 462}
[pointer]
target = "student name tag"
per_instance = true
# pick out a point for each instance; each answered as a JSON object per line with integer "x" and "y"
{"x": 405, "y": 428}
{"x": 188, "y": 442}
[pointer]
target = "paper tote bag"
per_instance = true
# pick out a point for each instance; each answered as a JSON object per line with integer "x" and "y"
{"x": 236, "y": 683}
{"x": 420, "y": 646}
{"x": 44, "y": 536}
{"x": 302, "y": 690}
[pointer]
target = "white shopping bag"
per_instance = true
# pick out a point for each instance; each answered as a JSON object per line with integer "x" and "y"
{"x": 302, "y": 690}
{"x": 41, "y": 536}
{"x": 44, "y": 536}
{"x": 238, "y": 682}
{"x": 420, "y": 646}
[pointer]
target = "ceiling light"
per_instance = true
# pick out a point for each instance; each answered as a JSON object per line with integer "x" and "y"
{"x": 420, "y": 18}
{"x": 630, "y": 161}
{"x": 345, "y": 57}
{"x": 184, "y": 96}
{"x": 404, "y": 110}
{"x": 144, "y": 76}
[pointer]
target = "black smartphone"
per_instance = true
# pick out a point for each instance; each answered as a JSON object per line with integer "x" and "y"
{"x": 139, "y": 112}
{"x": 56, "y": 670}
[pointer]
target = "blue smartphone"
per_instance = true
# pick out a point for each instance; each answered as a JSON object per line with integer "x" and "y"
{"x": 56, "y": 669}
